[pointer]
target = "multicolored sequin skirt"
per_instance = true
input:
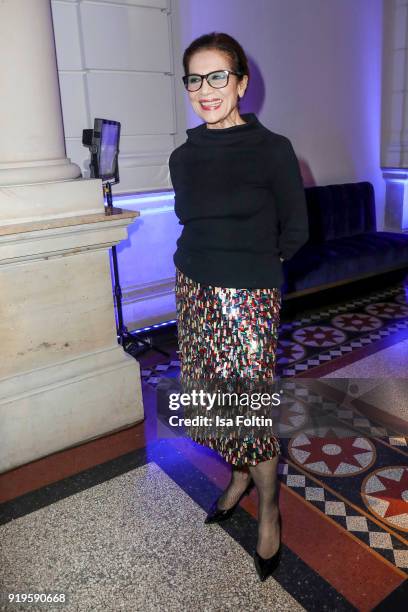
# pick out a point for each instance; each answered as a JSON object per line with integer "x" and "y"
{"x": 227, "y": 333}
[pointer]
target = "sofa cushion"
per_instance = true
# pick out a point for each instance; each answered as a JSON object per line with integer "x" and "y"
{"x": 336, "y": 211}
{"x": 344, "y": 259}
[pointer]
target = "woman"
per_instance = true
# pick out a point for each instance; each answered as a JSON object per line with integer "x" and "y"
{"x": 240, "y": 198}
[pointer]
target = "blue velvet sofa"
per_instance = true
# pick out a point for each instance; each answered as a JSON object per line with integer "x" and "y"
{"x": 344, "y": 244}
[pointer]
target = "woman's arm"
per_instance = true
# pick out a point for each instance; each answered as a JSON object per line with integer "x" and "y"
{"x": 287, "y": 185}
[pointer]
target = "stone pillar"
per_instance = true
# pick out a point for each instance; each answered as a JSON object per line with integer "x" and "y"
{"x": 394, "y": 158}
{"x": 32, "y": 147}
{"x": 64, "y": 378}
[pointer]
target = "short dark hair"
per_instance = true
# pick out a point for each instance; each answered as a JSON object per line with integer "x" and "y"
{"x": 221, "y": 42}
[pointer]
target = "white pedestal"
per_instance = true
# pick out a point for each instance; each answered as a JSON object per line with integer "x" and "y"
{"x": 63, "y": 377}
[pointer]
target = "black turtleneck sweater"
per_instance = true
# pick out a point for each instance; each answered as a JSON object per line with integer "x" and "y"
{"x": 240, "y": 198}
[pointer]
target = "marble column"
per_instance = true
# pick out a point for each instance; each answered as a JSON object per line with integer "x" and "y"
{"x": 64, "y": 378}
{"x": 32, "y": 147}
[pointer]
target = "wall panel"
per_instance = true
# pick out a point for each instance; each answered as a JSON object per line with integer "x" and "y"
{"x": 141, "y": 101}
{"x": 125, "y": 38}
{"x": 74, "y": 103}
{"x": 115, "y": 61}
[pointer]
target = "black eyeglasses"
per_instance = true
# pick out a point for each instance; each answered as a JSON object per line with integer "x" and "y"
{"x": 217, "y": 79}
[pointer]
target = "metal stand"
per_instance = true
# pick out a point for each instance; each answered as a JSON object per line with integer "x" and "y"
{"x": 125, "y": 337}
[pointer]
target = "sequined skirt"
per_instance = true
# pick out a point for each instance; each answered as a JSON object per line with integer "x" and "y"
{"x": 228, "y": 334}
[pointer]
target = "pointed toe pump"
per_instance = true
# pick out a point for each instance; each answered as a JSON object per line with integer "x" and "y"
{"x": 216, "y": 515}
{"x": 266, "y": 567}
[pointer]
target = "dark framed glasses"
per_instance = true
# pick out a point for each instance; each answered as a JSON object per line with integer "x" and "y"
{"x": 217, "y": 79}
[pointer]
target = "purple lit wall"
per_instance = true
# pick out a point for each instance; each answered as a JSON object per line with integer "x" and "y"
{"x": 145, "y": 259}
{"x": 315, "y": 77}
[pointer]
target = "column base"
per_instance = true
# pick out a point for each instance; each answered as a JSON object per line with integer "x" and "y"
{"x": 38, "y": 172}
{"x": 63, "y": 377}
{"x": 53, "y": 408}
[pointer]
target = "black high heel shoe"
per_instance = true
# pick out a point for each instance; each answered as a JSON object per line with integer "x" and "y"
{"x": 266, "y": 567}
{"x": 215, "y": 515}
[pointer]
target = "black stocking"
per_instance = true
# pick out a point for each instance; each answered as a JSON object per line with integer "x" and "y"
{"x": 240, "y": 478}
{"x": 265, "y": 478}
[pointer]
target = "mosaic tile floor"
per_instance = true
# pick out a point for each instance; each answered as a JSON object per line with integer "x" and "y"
{"x": 117, "y": 523}
{"x": 359, "y": 480}
{"x": 328, "y": 334}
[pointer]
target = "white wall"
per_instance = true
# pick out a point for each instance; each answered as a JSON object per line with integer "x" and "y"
{"x": 115, "y": 61}
{"x": 316, "y": 78}
{"x": 146, "y": 260}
